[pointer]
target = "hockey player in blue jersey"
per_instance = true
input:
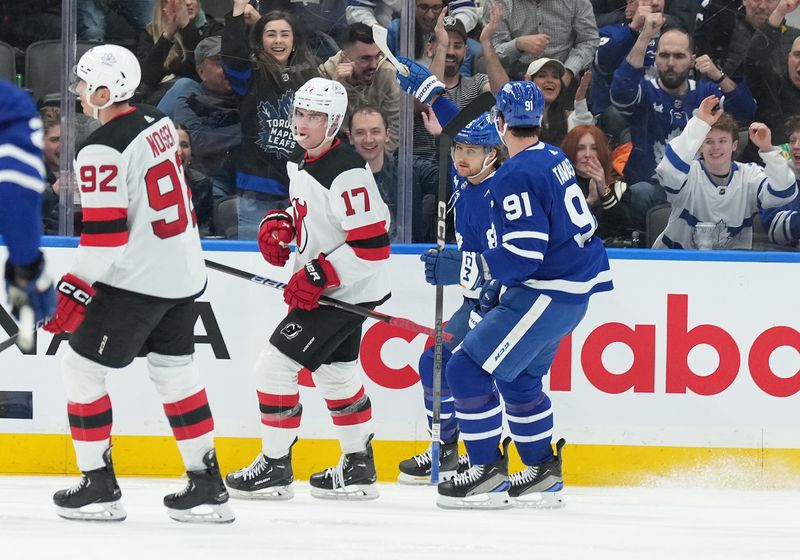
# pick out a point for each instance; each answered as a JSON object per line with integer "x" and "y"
{"x": 477, "y": 153}
{"x": 546, "y": 256}
{"x": 29, "y": 288}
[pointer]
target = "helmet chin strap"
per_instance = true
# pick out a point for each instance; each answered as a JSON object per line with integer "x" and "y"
{"x": 488, "y": 161}
{"x": 96, "y": 108}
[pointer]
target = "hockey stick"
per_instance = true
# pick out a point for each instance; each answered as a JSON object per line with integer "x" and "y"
{"x": 399, "y": 322}
{"x": 26, "y": 343}
{"x": 478, "y": 106}
{"x": 381, "y": 36}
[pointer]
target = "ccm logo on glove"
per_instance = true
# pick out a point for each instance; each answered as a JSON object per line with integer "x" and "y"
{"x": 74, "y": 292}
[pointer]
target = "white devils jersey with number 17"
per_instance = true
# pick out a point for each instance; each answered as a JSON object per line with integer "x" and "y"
{"x": 139, "y": 228}
{"x": 339, "y": 211}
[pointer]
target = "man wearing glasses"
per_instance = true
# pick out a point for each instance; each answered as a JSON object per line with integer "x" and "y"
{"x": 367, "y": 78}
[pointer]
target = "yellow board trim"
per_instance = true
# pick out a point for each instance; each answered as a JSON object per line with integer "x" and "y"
{"x": 585, "y": 465}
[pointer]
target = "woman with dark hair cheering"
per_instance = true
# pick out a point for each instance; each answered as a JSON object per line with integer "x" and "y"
{"x": 264, "y": 75}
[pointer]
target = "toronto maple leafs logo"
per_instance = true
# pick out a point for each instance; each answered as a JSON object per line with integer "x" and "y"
{"x": 275, "y": 131}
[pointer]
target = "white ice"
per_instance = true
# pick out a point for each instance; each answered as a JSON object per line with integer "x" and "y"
{"x": 669, "y": 522}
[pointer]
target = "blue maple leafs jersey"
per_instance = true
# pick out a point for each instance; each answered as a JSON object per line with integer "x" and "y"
{"x": 543, "y": 228}
{"x": 21, "y": 174}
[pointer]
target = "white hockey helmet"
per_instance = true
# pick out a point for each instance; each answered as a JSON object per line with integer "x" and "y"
{"x": 112, "y": 67}
{"x": 322, "y": 96}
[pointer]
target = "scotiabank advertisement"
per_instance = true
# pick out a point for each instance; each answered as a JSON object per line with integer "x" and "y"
{"x": 703, "y": 350}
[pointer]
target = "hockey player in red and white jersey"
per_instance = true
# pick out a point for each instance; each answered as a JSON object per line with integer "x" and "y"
{"x": 339, "y": 225}
{"x": 138, "y": 269}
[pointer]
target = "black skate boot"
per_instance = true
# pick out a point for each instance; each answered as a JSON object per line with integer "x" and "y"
{"x": 352, "y": 479}
{"x": 479, "y": 487}
{"x": 417, "y": 469}
{"x": 539, "y": 486}
{"x": 264, "y": 479}
{"x": 95, "y": 498}
{"x": 204, "y": 499}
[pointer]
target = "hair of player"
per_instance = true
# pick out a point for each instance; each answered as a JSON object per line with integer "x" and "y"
{"x": 51, "y": 116}
{"x": 356, "y": 33}
{"x": 366, "y": 110}
{"x": 570, "y": 146}
{"x": 727, "y": 123}
{"x": 524, "y": 131}
{"x": 792, "y": 125}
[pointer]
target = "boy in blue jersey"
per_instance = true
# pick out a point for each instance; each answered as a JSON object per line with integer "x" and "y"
{"x": 477, "y": 153}
{"x": 544, "y": 253}
{"x": 30, "y": 290}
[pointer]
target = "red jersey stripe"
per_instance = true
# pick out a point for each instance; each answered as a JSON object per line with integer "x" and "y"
{"x": 103, "y": 404}
{"x": 104, "y": 214}
{"x": 186, "y": 405}
{"x": 379, "y": 254}
{"x": 365, "y": 232}
{"x": 104, "y": 239}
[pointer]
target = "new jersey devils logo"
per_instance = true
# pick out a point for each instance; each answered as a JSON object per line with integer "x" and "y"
{"x": 300, "y": 212}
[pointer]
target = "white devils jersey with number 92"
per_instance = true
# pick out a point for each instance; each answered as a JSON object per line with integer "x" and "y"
{"x": 139, "y": 228}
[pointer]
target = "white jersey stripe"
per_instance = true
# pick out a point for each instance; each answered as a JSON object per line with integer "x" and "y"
{"x": 443, "y": 416}
{"x": 536, "y": 255}
{"x": 529, "y": 439}
{"x": 530, "y": 419}
{"x": 525, "y": 235}
{"x": 481, "y": 435}
{"x": 9, "y": 150}
{"x": 479, "y": 415}
{"x": 519, "y": 330}
{"x": 21, "y": 179}
{"x": 570, "y": 286}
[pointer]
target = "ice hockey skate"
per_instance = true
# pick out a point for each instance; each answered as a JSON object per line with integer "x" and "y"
{"x": 539, "y": 486}
{"x": 417, "y": 469}
{"x": 95, "y": 498}
{"x": 204, "y": 499}
{"x": 479, "y": 487}
{"x": 352, "y": 479}
{"x": 264, "y": 479}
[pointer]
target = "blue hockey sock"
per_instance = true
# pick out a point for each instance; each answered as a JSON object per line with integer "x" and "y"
{"x": 478, "y": 409}
{"x": 530, "y": 419}
{"x": 449, "y": 428}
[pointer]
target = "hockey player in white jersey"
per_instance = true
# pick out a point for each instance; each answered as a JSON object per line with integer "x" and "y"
{"x": 29, "y": 288}
{"x": 339, "y": 224}
{"x": 715, "y": 188}
{"x": 131, "y": 290}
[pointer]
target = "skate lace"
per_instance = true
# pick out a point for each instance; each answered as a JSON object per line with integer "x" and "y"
{"x": 186, "y": 489}
{"x": 258, "y": 466}
{"x": 84, "y": 482}
{"x": 468, "y": 476}
{"x": 524, "y": 477}
{"x": 423, "y": 459}
{"x": 337, "y": 473}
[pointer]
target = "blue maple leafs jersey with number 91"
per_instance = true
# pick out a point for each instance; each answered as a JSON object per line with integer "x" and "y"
{"x": 544, "y": 229}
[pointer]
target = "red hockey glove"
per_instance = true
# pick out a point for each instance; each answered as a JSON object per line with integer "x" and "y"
{"x": 274, "y": 234}
{"x": 307, "y": 284}
{"x": 73, "y": 295}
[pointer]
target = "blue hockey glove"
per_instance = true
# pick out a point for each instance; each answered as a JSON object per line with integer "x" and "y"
{"x": 442, "y": 268}
{"x": 420, "y": 82}
{"x": 472, "y": 274}
{"x": 30, "y": 286}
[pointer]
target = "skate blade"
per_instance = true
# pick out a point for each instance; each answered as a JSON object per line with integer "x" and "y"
{"x": 489, "y": 500}
{"x": 204, "y": 513}
{"x": 412, "y": 480}
{"x": 353, "y": 492}
{"x": 539, "y": 500}
{"x": 272, "y": 493}
{"x": 105, "y": 511}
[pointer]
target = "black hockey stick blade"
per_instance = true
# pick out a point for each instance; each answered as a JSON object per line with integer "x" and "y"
{"x": 472, "y": 111}
{"x": 406, "y": 324}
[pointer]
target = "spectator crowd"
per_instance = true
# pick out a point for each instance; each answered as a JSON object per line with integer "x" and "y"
{"x": 673, "y": 112}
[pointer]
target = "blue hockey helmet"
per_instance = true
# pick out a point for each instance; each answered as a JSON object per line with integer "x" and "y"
{"x": 479, "y": 132}
{"x": 521, "y": 104}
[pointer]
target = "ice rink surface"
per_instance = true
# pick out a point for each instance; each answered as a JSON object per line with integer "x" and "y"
{"x": 669, "y": 521}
